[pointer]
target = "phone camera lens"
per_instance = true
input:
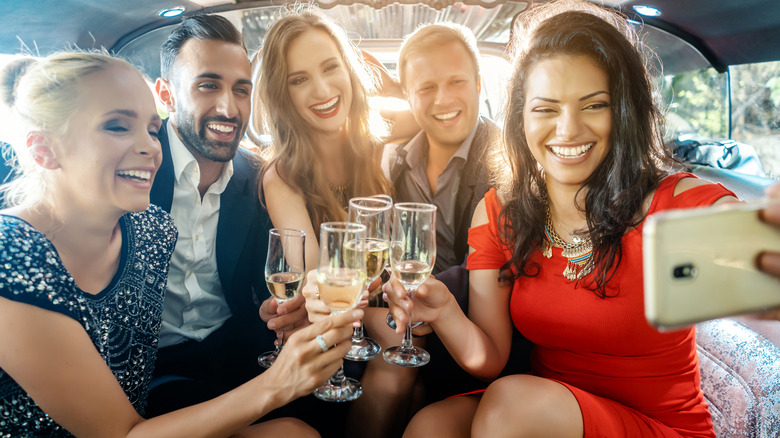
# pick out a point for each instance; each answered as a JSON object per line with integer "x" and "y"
{"x": 684, "y": 271}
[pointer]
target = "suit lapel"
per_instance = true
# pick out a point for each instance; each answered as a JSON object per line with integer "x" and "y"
{"x": 236, "y": 212}
{"x": 162, "y": 189}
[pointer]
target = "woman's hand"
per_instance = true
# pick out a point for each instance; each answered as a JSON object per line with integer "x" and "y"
{"x": 315, "y": 307}
{"x": 303, "y": 364}
{"x": 429, "y": 301}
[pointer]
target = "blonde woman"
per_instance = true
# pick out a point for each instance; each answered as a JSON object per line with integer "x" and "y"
{"x": 84, "y": 266}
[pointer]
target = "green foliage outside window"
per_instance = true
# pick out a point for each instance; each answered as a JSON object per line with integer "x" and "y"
{"x": 697, "y": 103}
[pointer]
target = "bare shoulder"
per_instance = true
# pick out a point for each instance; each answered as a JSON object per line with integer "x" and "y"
{"x": 686, "y": 184}
{"x": 271, "y": 177}
{"x": 274, "y": 185}
{"x": 480, "y": 216}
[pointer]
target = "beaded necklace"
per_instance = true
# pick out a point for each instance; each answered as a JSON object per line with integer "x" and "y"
{"x": 577, "y": 253}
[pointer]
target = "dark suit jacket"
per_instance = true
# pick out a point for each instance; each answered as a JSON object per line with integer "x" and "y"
{"x": 473, "y": 184}
{"x": 242, "y": 242}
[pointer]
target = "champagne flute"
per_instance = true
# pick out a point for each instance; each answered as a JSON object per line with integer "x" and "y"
{"x": 374, "y": 213}
{"x": 389, "y": 318}
{"x": 284, "y": 272}
{"x": 341, "y": 278}
{"x": 412, "y": 256}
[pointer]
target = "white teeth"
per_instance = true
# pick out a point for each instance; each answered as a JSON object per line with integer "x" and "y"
{"x": 327, "y": 106}
{"x": 143, "y": 175}
{"x": 220, "y": 128}
{"x": 571, "y": 152}
{"x": 446, "y": 116}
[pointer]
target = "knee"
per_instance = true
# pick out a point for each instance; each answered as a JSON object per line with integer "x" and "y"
{"x": 426, "y": 423}
{"x": 450, "y": 417}
{"x": 287, "y": 427}
{"x": 498, "y": 403}
{"x": 524, "y": 405}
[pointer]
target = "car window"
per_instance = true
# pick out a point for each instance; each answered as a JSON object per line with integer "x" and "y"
{"x": 696, "y": 103}
{"x": 742, "y": 104}
{"x": 755, "y": 110}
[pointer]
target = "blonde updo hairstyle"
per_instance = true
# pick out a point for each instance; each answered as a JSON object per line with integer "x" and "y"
{"x": 43, "y": 94}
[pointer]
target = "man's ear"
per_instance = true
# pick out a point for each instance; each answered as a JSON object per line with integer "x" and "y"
{"x": 41, "y": 150}
{"x": 164, "y": 92}
{"x": 479, "y": 84}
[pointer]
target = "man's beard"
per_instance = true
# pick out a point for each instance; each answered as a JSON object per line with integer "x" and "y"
{"x": 196, "y": 139}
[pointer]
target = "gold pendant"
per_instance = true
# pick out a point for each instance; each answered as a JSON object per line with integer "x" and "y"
{"x": 546, "y": 249}
{"x": 572, "y": 271}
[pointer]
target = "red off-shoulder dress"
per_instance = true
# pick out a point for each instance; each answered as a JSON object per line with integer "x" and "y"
{"x": 629, "y": 379}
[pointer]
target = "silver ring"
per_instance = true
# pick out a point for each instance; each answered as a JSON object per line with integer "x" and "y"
{"x": 321, "y": 342}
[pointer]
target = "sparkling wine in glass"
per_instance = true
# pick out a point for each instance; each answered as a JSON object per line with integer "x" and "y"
{"x": 375, "y": 214}
{"x": 412, "y": 256}
{"x": 284, "y": 272}
{"x": 341, "y": 279}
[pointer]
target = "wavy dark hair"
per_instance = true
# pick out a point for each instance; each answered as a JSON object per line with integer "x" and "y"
{"x": 631, "y": 170}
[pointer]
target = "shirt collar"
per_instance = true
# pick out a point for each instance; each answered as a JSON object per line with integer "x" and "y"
{"x": 417, "y": 148}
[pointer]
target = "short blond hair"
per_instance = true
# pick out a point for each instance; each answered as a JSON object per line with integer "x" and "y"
{"x": 435, "y": 35}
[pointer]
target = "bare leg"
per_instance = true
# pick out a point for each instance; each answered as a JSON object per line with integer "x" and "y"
{"x": 527, "y": 406}
{"x": 450, "y": 417}
{"x": 286, "y": 427}
{"x": 384, "y": 408}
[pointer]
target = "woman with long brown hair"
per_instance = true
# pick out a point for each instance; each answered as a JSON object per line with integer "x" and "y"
{"x": 327, "y": 142}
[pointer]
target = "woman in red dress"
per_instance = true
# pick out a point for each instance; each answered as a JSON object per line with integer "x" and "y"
{"x": 557, "y": 249}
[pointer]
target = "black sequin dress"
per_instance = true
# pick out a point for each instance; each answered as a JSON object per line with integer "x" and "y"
{"x": 123, "y": 320}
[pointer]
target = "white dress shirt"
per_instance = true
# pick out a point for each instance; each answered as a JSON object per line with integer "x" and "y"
{"x": 194, "y": 304}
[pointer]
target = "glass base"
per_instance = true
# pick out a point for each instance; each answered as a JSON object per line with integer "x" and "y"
{"x": 267, "y": 359}
{"x": 349, "y": 390}
{"x": 407, "y": 357}
{"x": 363, "y": 350}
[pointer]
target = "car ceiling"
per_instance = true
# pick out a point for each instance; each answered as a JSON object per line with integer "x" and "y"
{"x": 726, "y": 32}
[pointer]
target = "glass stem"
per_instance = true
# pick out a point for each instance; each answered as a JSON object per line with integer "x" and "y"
{"x": 406, "y": 342}
{"x": 338, "y": 378}
{"x": 281, "y": 341}
{"x": 357, "y": 332}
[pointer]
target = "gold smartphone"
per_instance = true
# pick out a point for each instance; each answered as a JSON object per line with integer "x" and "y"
{"x": 700, "y": 264}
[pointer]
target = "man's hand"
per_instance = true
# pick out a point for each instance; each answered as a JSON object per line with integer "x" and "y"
{"x": 389, "y": 86}
{"x": 288, "y": 316}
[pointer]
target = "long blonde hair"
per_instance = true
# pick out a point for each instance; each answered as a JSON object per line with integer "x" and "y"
{"x": 44, "y": 94}
{"x": 292, "y": 152}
